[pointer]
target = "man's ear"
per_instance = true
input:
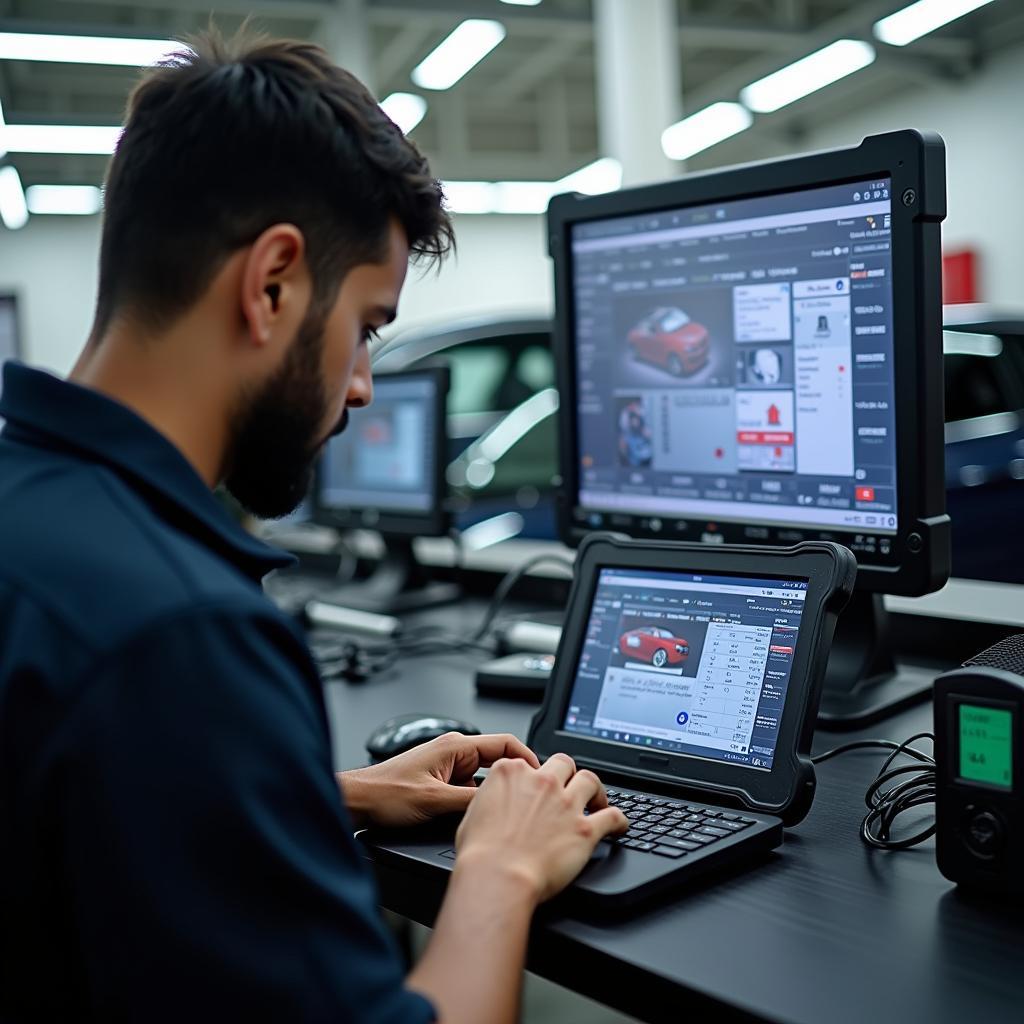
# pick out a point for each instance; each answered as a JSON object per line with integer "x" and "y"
{"x": 275, "y": 285}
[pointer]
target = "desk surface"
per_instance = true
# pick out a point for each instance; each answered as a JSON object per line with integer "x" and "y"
{"x": 824, "y": 930}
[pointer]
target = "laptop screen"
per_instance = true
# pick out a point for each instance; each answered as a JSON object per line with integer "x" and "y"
{"x": 688, "y": 664}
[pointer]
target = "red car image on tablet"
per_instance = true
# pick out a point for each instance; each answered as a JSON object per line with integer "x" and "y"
{"x": 670, "y": 339}
{"x": 653, "y": 644}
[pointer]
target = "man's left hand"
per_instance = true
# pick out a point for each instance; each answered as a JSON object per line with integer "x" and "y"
{"x": 432, "y": 779}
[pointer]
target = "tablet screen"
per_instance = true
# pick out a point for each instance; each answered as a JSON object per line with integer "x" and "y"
{"x": 686, "y": 663}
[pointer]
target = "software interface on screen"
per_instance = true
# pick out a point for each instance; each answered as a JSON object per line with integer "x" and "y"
{"x": 735, "y": 361}
{"x": 692, "y": 664}
{"x": 385, "y": 457}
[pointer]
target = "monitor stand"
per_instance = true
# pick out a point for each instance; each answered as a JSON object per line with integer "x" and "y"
{"x": 398, "y": 584}
{"x": 863, "y": 684}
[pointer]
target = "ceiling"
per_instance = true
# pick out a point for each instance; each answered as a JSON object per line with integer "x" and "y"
{"x": 528, "y": 110}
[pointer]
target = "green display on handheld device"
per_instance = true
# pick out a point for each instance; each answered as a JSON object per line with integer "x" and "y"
{"x": 986, "y": 745}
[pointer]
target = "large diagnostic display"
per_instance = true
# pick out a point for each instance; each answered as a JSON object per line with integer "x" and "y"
{"x": 688, "y": 663}
{"x": 735, "y": 361}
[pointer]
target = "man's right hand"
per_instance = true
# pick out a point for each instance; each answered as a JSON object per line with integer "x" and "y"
{"x": 531, "y": 822}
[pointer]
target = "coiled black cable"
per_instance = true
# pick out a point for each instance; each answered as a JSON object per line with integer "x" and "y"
{"x": 886, "y": 798}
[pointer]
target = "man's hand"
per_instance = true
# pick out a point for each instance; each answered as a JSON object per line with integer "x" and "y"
{"x": 432, "y": 779}
{"x": 531, "y": 824}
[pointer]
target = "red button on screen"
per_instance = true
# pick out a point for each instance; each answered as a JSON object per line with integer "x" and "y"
{"x": 865, "y": 494}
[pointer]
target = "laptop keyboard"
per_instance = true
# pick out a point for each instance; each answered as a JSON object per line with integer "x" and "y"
{"x": 672, "y": 828}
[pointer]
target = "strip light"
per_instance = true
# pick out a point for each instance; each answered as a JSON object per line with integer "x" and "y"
{"x": 461, "y": 51}
{"x": 807, "y": 75}
{"x": 61, "y": 138}
{"x": 74, "y": 200}
{"x": 406, "y": 109}
{"x": 62, "y": 49}
{"x": 13, "y": 211}
{"x": 522, "y": 3}
{"x": 921, "y": 18}
{"x": 604, "y": 175}
{"x": 704, "y": 129}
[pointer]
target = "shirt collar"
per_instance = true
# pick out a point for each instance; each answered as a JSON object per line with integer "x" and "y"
{"x": 46, "y": 411}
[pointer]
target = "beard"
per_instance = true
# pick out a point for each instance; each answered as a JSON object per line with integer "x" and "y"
{"x": 275, "y": 435}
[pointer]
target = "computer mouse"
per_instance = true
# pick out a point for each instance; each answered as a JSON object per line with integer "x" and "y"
{"x": 404, "y": 732}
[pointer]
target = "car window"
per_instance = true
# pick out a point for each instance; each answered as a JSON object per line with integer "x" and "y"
{"x": 673, "y": 319}
{"x": 973, "y": 387}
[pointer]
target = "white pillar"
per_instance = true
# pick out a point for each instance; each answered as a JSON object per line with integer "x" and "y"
{"x": 345, "y": 34}
{"x": 639, "y": 93}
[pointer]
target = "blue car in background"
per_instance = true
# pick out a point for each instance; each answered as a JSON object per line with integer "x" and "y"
{"x": 504, "y": 435}
{"x": 984, "y": 383}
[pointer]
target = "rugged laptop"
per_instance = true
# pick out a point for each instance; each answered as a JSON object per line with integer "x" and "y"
{"x": 688, "y": 679}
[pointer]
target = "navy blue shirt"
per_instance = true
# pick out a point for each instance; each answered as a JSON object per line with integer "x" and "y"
{"x": 173, "y": 844}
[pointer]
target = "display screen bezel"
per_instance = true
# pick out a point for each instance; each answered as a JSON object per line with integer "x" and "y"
{"x": 918, "y": 553}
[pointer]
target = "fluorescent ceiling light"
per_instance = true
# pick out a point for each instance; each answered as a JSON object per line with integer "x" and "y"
{"x": 85, "y": 49}
{"x": 704, "y": 129}
{"x": 807, "y": 75}
{"x": 603, "y": 175}
{"x": 921, "y": 18}
{"x": 458, "y": 53}
{"x": 79, "y": 200}
{"x": 522, "y": 3}
{"x": 3, "y": 133}
{"x": 61, "y": 138}
{"x": 13, "y": 211}
{"x": 406, "y": 109}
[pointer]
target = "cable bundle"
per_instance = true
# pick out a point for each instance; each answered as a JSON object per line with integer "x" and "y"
{"x": 894, "y": 791}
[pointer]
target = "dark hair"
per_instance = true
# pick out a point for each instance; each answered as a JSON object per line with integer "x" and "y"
{"x": 226, "y": 138}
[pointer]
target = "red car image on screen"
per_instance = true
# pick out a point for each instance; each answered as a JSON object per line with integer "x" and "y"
{"x": 653, "y": 644}
{"x": 670, "y": 339}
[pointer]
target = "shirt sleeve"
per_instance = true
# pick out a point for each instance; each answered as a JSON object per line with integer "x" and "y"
{"x": 211, "y": 868}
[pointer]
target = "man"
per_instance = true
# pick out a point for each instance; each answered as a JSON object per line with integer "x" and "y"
{"x": 172, "y": 841}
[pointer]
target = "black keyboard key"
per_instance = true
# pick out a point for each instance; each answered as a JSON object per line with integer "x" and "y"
{"x": 675, "y": 805}
{"x": 645, "y": 846}
{"x": 707, "y": 830}
{"x": 632, "y": 843}
{"x": 732, "y": 826}
{"x": 611, "y": 792}
{"x": 695, "y": 817}
{"x": 678, "y": 833}
{"x": 731, "y": 817}
{"x": 697, "y": 837}
{"x": 659, "y": 829}
{"x": 669, "y": 851}
{"x": 748, "y": 821}
{"x": 679, "y": 844}
{"x": 658, "y": 803}
{"x": 708, "y": 813}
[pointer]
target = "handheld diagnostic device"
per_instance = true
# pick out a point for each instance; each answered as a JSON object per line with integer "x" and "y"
{"x": 979, "y": 800}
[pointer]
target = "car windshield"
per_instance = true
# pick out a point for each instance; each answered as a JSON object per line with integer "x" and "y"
{"x": 673, "y": 319}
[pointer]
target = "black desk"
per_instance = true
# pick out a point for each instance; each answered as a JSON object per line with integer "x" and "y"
{"x": 825, "y": 931}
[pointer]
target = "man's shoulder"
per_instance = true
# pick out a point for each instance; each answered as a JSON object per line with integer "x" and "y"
{"x": 88, "y": 549}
